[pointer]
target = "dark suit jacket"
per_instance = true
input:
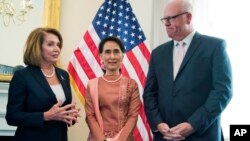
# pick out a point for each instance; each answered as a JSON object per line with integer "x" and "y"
{"x": 29, "y": 96}
{"x": 198, "y": 95}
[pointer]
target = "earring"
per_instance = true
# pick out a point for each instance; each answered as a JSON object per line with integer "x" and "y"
{"x": 102, "y": 65}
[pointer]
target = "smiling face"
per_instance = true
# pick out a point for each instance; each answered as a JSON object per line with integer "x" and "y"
{"x": 50, "y": 49}
{"x": 112, "y": 57}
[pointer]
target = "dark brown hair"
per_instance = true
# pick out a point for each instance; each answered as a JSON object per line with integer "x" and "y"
{"x": 111, "y": 38}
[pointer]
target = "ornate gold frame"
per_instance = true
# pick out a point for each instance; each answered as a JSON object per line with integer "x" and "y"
{"x": 5, "y": 78}
{"x": 51, "y": 18}
{"x": 51, "y": 14}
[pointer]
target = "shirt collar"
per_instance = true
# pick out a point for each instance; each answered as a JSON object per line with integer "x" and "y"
{"x": 187, "y": 39}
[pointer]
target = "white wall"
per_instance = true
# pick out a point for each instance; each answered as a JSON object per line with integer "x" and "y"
{"x": 13, "y": 37}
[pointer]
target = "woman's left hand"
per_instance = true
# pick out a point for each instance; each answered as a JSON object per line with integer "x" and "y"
{"x": 67, "y": 113}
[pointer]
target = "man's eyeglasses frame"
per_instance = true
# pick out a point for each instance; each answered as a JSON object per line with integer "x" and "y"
{"x": 171, "y": 18}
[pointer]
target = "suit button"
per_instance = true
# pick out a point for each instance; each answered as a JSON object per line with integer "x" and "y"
{"x": 174, "y": 92}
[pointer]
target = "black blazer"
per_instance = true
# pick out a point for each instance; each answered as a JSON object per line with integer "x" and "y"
{"x": 29, "y": 96}
{"x": 198, "y": 95}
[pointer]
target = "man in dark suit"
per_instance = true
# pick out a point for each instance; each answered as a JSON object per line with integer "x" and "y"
{"x": 189, "y": 81}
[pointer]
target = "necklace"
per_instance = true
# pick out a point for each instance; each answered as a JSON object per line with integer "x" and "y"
{"x": 112, "y": 81}
{"x": 49, "y": 75}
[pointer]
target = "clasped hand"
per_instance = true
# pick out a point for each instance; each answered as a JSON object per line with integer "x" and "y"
{"x": 68, "y": 113}
{"x": 177, "y": 133}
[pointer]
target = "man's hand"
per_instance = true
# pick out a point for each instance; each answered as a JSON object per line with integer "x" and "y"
{"x": 164, "y": 129}
{"x": 184, "y": 129}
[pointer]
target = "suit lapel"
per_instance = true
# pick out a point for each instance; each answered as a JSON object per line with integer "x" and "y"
{"x": 191, "y": 50}
{"x": 169, "y": 59}
{"x": 37, "y": 73}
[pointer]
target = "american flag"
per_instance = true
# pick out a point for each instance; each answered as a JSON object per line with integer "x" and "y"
{"x": 114, "y": 18}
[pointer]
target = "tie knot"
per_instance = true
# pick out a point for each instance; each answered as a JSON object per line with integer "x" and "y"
{"x": 181, "y": 44}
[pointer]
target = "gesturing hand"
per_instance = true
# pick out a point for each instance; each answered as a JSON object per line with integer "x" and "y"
{"x": 75, "y": 114}
{"x": 56, "y": 112}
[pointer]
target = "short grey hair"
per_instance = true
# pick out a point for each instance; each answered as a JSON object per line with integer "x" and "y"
{"x": 187, "y": 6}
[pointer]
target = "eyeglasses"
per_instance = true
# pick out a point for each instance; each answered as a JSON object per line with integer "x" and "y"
{"x": 171, "y": 18}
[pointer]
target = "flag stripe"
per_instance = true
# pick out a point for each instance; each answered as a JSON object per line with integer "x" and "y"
{"x": 78, "y": 81}
{"x": 85, "y": 66}
{"x": 79, "y": 95}
{"x": 141, "y": 59}
{"x": 132, "y": 73}
{"x": 137, "y": 134}
{"x": 90, "y": 58}
{"x": 91, "y": 45}
{"x": 94, "y": 35}
{"x": 136, "y": 65}
{"x": 145, "y": 51}
{"x": 142, "y": 129}
{"x": 144, "y": 120}
{"x": 124, "y": 71}
{"x": 78, "y": 68}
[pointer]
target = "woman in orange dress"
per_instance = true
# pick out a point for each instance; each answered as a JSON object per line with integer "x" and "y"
{"x": 112, "y": 100}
